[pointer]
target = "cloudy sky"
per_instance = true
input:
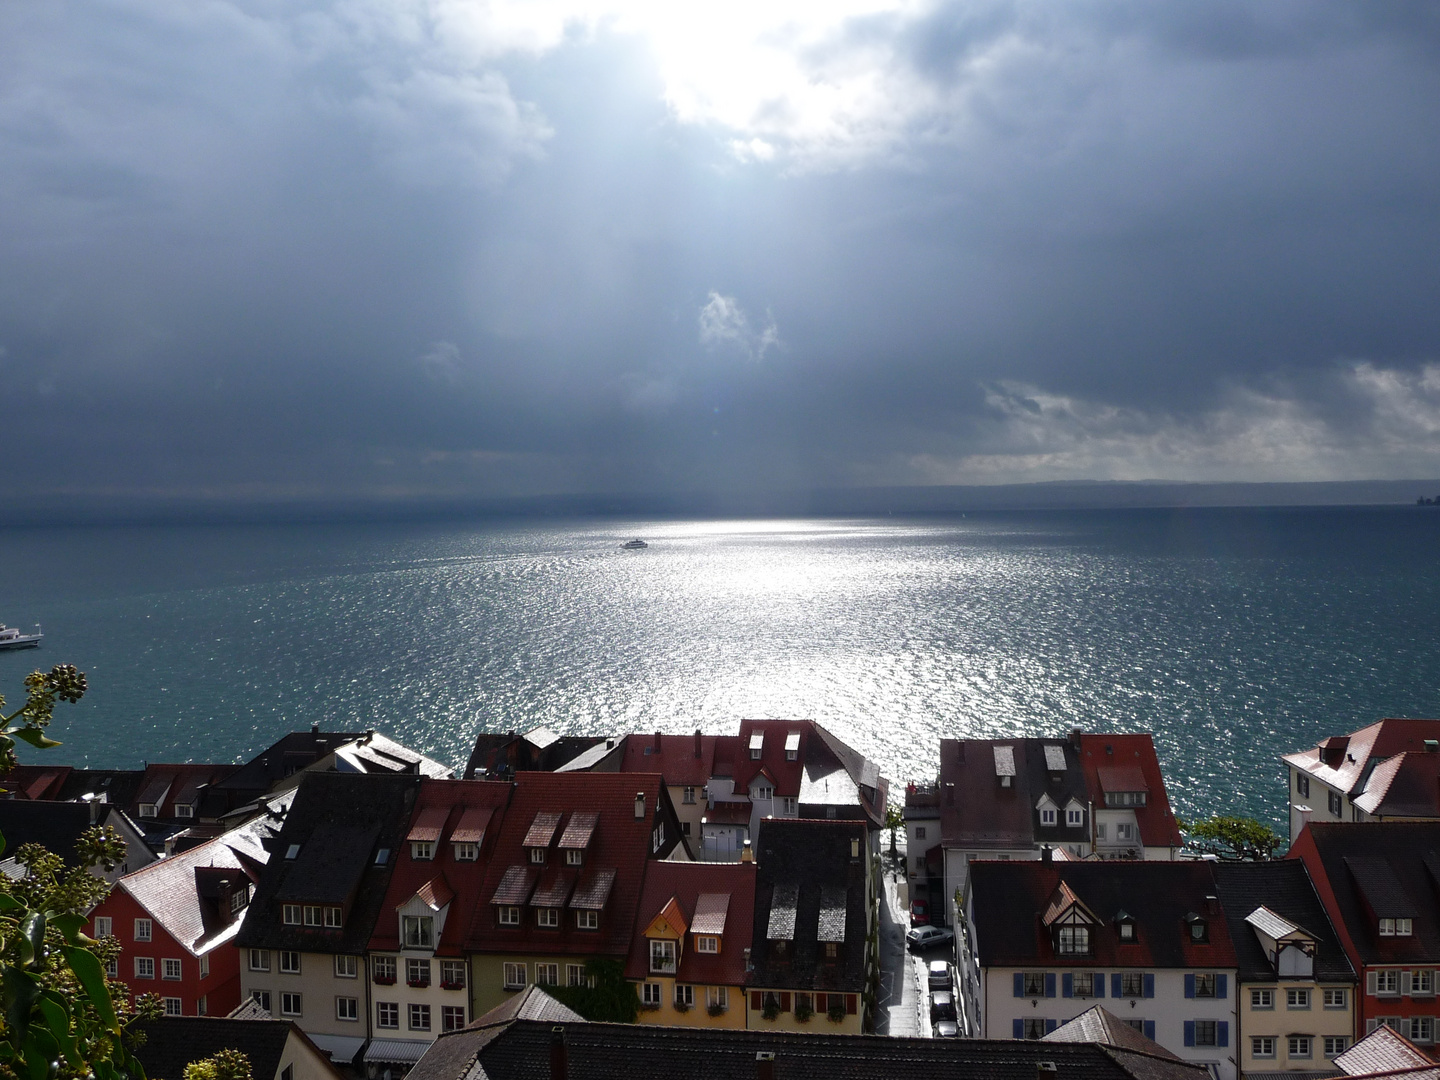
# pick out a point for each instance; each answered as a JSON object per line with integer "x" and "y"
{"x": 290, "y": 248}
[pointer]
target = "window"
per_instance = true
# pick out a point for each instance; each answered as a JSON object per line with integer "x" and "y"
{"x": 509, "y": 916}
{"x": 1387, "y": 982}
{"x": 1262, "y": 1046}
{"x": 707, "y": 943}
{"x": 1421, "y": 1029}
{"x": 289, "y": 962}
{"x": 184, "y": 810}
{"x": 419, "y": 931}
{"x": 417, "y": 971}
{"x": 537, "y": 855}
{"x": 112, "y": 968}
{"x": 292, "y": 852}
{"x": 313, "y": 915}
{"x": 1205, "y": 1032}
{"x": 587, "y": 920}
{"x": 1204, "y": 986}
{"x": 174, "y": 1007}
{"x": 1074, "y": 817}
{"x": 238, "y": 899}
{"x": 1334, "y": 997}
{"x": 515, "y": 976}
{"x": 147, "y": 809}
{"x": 1034, "y": 984}
{"x": 1297, "y": 998}
{"x": 333, "y": 919}
{"x": 382, "y": 856}
{"x": 548, "y": 917}
{"x": 261, "y": 998}
{"x": 1262, "y": 999}
{"x": 142, "y": 929}
{"x": 205, "y": 966}
{"x": 764, "y": 792}
{"x": 202, "y": 1007}
{"x": 1125, "y": 798}
{"x": 1074, "y": 940}
{"x": 789, "y": 807}
{"x": 1125, "y": 831}
{"x": 1034, "y": 1027}
{"x": 1127, "y": 931}
{"x": 684, "y": 995}
{"x": 1335, "y": 1045}
{"x": 919, "y": 832}
{"x": 755, "y": 750}
{"x": 718, "y": 998}
{"x": 466, "y": 852}
{"x": 1396, "y": 927}
{"x": 1422, "y": 982}
{"x": 1100, "y": 830}
{"x": 1302, "y": 784}
{"x": 144, "y": 967}
{"x": 687, "y": 796}
{"x": 1132, "y": 984}
{"x": 387, "y": 1014}
{"x": 1047, "y": 816}
{"x": 102, "y": 926}
{"x": 452, "y": 1017}
{"x": 1299, "y": 1046}
{"x": 289, "y": 1004}
{"x": 662, "y": 956}
{"x": 452, "y": 974}
{"x": 1083, "y": 984}
{"x": 422, "y": 851}
{"x": 290, "y": 914}
{"x": 574, "y": 974}
{"x": 345, "y": 966}
{"x": 347, "y": 1009}
{"x": 170, "y": 970}
{"x": 574, "y": 856}
{"x": 547, "y": 974}
{"x": 259, "y": 960}
{"x": 1335, "y": 803}
{"x": 1136, "y": 1023}
{"x": 832, "y": 950}
{"x": 1199, "y": 930}
{"x": 384, "y": 970}
{"x": 650, "y": 994}
{"x": 419, "y": 1017}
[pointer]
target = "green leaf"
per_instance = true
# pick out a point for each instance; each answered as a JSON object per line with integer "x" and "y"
{"x": 35, "y": 737}
{"x": 32, "y": 938}
{"x": 8, "y": 902}
{"x": 86, "y": 966}
{"x": 21, "y": 991}
{"x": 69, "y": 924}
{"x": 40, "y": 1050}
{"x": 57, "y": 1022}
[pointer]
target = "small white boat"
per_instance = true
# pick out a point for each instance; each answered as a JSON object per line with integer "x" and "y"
{"x": 12, "y": 638}
{"x": 634, "y": 545}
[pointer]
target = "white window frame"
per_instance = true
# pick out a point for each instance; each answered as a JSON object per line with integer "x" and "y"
{"x": 169, "y": 964}
{"x": 144, "y": 967}
{"x": 650, "y": 994}
{"x": 205, "y": 966}
{"x": 685, "y": 995}
{"x": 1262, "y": 1046}
{"x": 1422, "y": 982}
{"x": 508, "y": 915}
{"x": 103, "y": 926}
{"x": 422, "y": 851}
{"x": 1262, "y": 998}
{"x": 144, "y": 928}
{"x": 717, "y": 996}
{"x": 547, "y": 918}
{"x": 174, "y": 1007}
{"x": 289, "y": 962}
{"x": 292, "y": 1003}
{"x": 1047, "y": 816}
{"x": 387, "y": 1010}
{"x": 1300, "y": 1046}
{"x": 587, "y": 919}
{"x": 347, "y": 1010}
{"x": 707, "y": 943}
{"x": 260, "y": 960}
{"x": 417, "y": 1016}
{"x": 687, "y": 795}
{"x": 1074, "y": 818}
{"x": 467, "y": 851}
{"x": 418, "y": 931}
{"x": 516, "y": 976}
{"x": 1207, "y": 1032}
{"x": 575, "y": 856}
{"x": 663, "y": 956}
{"x": 547, "y": 973}
{"x": 290, "y": 914}
{"x": 346, "y": 966}
{"x": 1335, "y": 1045}
{"x": 417, "y": 971}
{"x": 1297, "y": 997}
{"x": 575, "y": 975}
{"x": 1335, "y": 997}
{"x": 452, "y": 1017}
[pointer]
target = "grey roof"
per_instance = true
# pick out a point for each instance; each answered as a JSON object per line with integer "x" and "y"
{"x": 1283, "y": 888}
{"x": 782, "y": 912}
{"x": 521, "y": 1050}
{"x": 1271, "y": 924}
{"x": 329, "y": 864}
{"x": 1098, "y": 1025}
{"x": 833, "y": 902}
{"x": 1380, "y": 887}
{"x": 173, "y": 1042}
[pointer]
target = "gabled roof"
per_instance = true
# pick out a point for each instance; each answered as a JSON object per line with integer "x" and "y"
{"x": 979, "y": 810}
{"x": 612, "y": 874}
{"x": 350, "y": 808}
{"x": 166, "y": 785}
{"x": 806, "y": 878}
{"x": 175, "y": 1041}
{"x": 1357, "y": 865}
{"x": 1008, "y": 898}
{"x": 56, "y": 826}
{"x": 1404, "y": 786}
{"x": 35, "y": 781}
{"x": 1345, "y": 762}
{"x": 1284, "y": 890}
{"x": 466, "y": 811}
{"x": 1383, "y": 1050}
{"x": 684, "y": 760}
{"x": 1099, "y": 1025}
{"x": 1128, "y": 763}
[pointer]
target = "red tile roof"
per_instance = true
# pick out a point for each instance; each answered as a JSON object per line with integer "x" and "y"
{"x": 673, "y": 756}
{"x": 1342, "y": 762}
{"x": 1130, "y": 759}
{"x": 785, "y": 774}
{"x": 614, "y": 868}
{"x": 696, "y": 888}
{"x": 452, "y": 804}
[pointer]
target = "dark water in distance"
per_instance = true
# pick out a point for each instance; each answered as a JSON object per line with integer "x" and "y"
{"x": 1234, "y": 635}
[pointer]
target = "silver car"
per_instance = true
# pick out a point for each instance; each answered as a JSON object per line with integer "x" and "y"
{"x": 939, "y": 975}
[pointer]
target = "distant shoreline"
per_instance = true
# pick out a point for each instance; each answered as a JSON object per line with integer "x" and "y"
{"x": 830, "y": 502}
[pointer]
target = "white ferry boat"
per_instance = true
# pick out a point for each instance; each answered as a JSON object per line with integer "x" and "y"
{"x": 11, "y": 638}
{"x": 634, "y": 545}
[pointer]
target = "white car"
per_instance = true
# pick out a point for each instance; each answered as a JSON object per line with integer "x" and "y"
{"x": 927, "y": 937}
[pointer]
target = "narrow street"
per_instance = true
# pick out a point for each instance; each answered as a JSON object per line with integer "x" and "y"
{"x": 902, "y": 1008}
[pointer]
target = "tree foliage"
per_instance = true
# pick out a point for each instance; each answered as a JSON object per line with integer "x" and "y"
{"x": 894, "y": 819}
{"x": 224, "y": 1065}
{"x": 606, "y": 996}
{"x": 1236, "y": 839}
{"x": 58, "y": 1016}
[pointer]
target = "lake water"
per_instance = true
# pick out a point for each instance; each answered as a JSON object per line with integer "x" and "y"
{"x": 1233, "y": 635}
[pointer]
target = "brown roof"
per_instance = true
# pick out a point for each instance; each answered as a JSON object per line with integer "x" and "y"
{"x": 709, "y": 895}
{"x": 593, "y": 890}
{"x": 472, "y": 825}
{"x": 435, "y": 893}
{"x": 1343, "y": 762}
{"x": 1121, "y": 778}
{"x": 710, "y": 911}
{"x": 516, "y": 885}
{"x": 1382, "y": 1050}
{"x": 674, "y": 757}
{"x": 1099, "y": 1025}
{"x": 542, "y": 829}
{"x": 429, "y": 823}
{"x": 580, "y": 830}
{"x": 1406, "y": 785}
{"x": 729, "y": 813}
{"x": 1116, "y": 755}
{"x": 553, "y": 890}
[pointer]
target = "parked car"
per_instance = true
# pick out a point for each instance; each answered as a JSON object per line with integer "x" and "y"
{"x": 942, "y": 1006}
{"x": 920, "y": 913}
{"x": 940, "y": 975}
{"x": 947, "y": 1029}
{"x": 927, "y": 937}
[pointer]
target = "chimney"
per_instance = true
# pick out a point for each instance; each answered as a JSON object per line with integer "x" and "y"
{"x": 559, "y": 1056}
{"x": 765, "y": 1065}
{"x": 1047, "y": 854}
{"x": 657, "y": 742}
{"x": 854, "y": 848}
{"x": 949, "y": 794}
{"x": 315, "y": 728}
{"x": 95, "y": 802}
{"x": 1045, "y": 1070}
{"x": 746, "y": 855}
{"x": 1075, "y": 734}
{"x": 1304, "y": 812}
{"x": 639, "y": 805}
{"x": 697, "y": 744}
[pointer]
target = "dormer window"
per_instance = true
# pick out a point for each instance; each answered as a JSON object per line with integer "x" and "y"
{"x": 467, "y": 852}
{"x": 184, "y": 810}
{"x": 147, "y": 809}
{"x": 574, "y": 857}
{"x": 292, "y": 852}
{"x": 1125, "y": 926}
{"x": 547, "y": 917}
{"x": 422, "y": 850}
{"x": 1397, "y": 927}
{"x": 509, "y": 915}
{"x": 832, "y": 950}
{"x": 792, "y": 746}
{"x": 1199, "y": 928}
{"x": 757, "y": 745}
{"x": 1125, "y": 798}
{"x": 707, "y": 943}
{"x": 1073, "y": 941}
{"x": 1074, "y": 817}
{"x": 1047, "y": 816}
{"x": 662, "y": 957}
{"x": 238, "y": 899}
{"x": 537, "y": 856}
{"x": 419, "y": 931}
{"x": 382, "y": 856}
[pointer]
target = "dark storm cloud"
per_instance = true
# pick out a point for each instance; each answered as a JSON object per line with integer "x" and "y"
{"x": 356, "y": 249}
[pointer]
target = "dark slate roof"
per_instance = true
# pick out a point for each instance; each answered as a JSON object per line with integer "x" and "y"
{"x": 172, "y": 1042}
{"x": 288, "y": 755}
{"x": 811, "y": 861}
{"x": 54, "y": 825}
{"x": 119, "y": 786}
{"x": 1008, "y": 898}
{"x": 1348, "y": 853}
{"x": 977, "y": 812}
{"x": 1285, "y": 888}
{"x": 339, "y": 821}
{"x": 521, "y": 1050}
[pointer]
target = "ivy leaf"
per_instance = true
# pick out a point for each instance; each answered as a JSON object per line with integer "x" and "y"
{"x": 57, "y": 1020}
{"x": 70, "y": 925}
{"x": 35, "y": 737}
{"x": 21, "y": 991}
{"x": 40, "y": 1050}
{"x": 87, "y": 969}
{"x": 32, "y": 938}
{"x": 8, "y": 902}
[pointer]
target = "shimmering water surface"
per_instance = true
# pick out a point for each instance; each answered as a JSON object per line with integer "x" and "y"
{"x": 1233, "y": 635}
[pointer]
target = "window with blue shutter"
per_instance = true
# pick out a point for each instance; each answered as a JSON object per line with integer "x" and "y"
{"x": 1189, "y": 989}
{"x": 1050, "y": 1026}
{"x": 1049, "y": 984}
{"x": 1099, "y": 983}
{"x": 1220, "y": 988}
{"x": 1115, "y": 985}
{"x": 1150, "y": 1029}
{"x": 1017, "y": 1029}
{"x": 1150, "y": 986}
{"x": 1189, "y": 1032}
{"x": 1067, "y": 985}
{"x": 1222, "y": 1032}
{"x": 1019, "y": 984}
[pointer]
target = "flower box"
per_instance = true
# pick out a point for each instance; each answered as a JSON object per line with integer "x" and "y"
{"x": 418, "y": 983}
{"x": 444, "y": 985}
{"x": 385, "y": 980}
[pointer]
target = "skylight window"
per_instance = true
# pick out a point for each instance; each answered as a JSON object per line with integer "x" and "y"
{"x": 292, "y": 851}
